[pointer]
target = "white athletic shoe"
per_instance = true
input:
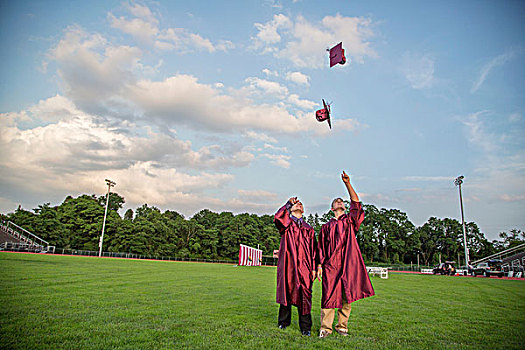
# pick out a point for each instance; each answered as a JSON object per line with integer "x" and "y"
{"x": 343, "y": 332}
{"x": 324, "y": 334}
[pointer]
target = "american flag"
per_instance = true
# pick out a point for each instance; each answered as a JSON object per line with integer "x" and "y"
{"x": 249, "y": 256}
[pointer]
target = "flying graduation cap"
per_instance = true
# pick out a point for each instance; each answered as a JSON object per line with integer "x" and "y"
{"x": 337, "y": 55}
{"x": 324, "y": 114}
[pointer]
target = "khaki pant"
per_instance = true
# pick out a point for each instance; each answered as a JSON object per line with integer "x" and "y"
{"x": 327, "y": 318}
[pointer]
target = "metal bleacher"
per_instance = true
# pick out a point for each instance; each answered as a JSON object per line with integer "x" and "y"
{"x": 16, "y": 238}
{"x": 513, "y": 260}
{"x": 503, "y": 254}
{"x": 7, "y": 238}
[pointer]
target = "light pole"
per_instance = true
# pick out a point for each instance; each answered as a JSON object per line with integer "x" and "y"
{"x": 110, "y": 184}
{"x": 458, "y": 182}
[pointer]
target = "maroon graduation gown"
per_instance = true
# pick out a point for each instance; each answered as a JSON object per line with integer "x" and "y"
{"x": 296, "y": 261}
{"x": 344, "y": 271}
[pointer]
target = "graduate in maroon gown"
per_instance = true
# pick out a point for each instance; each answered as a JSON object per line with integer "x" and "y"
{"x": 341, "y": 266}
{"x": 296, "y": 268}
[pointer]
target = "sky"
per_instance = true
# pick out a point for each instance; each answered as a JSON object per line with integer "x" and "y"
{"x": 189, "y": 105}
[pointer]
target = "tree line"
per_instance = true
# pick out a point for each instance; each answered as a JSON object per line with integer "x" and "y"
{"x": 385, "y": 236}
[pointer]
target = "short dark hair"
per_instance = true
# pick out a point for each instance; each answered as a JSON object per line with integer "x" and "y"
{"x": 335, "y": 200}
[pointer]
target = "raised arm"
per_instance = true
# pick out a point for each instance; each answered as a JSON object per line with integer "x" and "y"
{"x": 351, "y": 192}
{"x": 282, "y": 218}
{"x": 356, "y": 213}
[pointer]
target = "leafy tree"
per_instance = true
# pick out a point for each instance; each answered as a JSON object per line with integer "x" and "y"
{"x": 368, "y": 234}
{"x": 23, "y": 218}
{"x": 513, "y": 238}
{"x": 115, "y": 201}
{"x": 385, "y": 235}
{"x": 428, "y": 235}
{"x": 128, "y": 215}
{"x": 82, "y": 217}
{"x": 47, "y": 225}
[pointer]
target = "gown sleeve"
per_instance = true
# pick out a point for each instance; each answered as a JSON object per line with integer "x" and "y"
{"x": 314, "y": 251}
{"x": 321, "y": 252}
{"x": 356, "y": 214}
{"x": 282, "y": 218}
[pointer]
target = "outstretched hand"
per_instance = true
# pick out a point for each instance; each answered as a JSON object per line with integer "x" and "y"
{"x": 293, "y": 200}
{"x": 345, "y": 177}
{"x": 354, "y": 197}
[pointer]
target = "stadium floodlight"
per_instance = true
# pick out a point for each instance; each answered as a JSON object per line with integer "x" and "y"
{"x": 458, "y": 181}
{"x": 110, "y": 184}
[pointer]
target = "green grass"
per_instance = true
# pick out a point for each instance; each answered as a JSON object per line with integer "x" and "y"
{"x": 62, "y": 302}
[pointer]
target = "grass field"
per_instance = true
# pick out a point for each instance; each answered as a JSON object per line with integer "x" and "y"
{"x": 62, "y": 302}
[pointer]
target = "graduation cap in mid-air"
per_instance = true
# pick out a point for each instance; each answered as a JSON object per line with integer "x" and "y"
{"x": 337, "y": 55}
{"x": 324, "y": 114}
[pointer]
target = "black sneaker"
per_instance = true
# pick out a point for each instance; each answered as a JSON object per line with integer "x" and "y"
{"x": 306, "y": 333}
{"x": 281, "y": 326}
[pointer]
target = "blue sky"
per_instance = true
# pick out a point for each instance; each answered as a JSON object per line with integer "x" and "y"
{"x": 192, "y": 105}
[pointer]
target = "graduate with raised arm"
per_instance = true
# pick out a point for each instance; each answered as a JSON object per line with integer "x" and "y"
{"x": 341, "y": 267}
{"x": 296, "y": 265}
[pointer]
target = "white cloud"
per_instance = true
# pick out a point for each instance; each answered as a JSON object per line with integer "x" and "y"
{"x": 144, "y": 32}
{"x": 79, "y": 142}
{"x": 298, "y": 78}
{"x": 274, "y": 4}
{"x": 281, "y": 160}
{"x": 268, "y": 32}
{"x": 499, "y": 157}
{"x": 347, "y": 124}
{"x": 201, "y": 42}
{"x": 304, "y": 104}
{"x": 144, "y": 28}
{"x": 418, "y": 70}
{"x": 429, "y": 178}
{"x": 270, "y": 73}
{"x": 108, "y": 80}
{"x": 257, "y": 195}
{"x": 412, "y": 189}
{"x": 53, "y": 109}
{"x": 260, "y": 137}
{"x": 380, "y": 199}
{"x": 304, "y": 43}
{"x": 100, "y": 77}
{"x": 275, "y": 148}
{"x": 225, "y": 45}
{"x": 141, "y": 11}
{"x": 476, "y": 133}
{"x": 512, "y": 198}
{"x": 145, "y": 182}
{"x": 90, "y": 68}
{"x": 493, "y": 63}
{"x": 186, "y": 42}
{"x": 183, "y": 100}
{"x": 267, "y": 86}
{"x": 75, "y": 152}
{"x": 164, "y": 46}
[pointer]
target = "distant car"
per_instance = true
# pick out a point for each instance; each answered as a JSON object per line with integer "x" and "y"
{"x": 446, "y": 268}
{"x": 465, "y": 270}
{"x": 489, "y": 268}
